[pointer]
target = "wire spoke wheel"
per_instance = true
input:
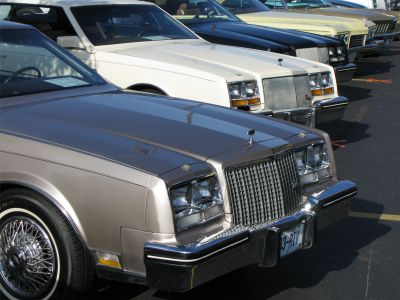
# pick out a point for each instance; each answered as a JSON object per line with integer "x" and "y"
{"x": 28, "y": 261}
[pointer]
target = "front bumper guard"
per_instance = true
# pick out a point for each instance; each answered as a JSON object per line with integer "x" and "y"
{"x": 181, "y": 268}
{"x": 345, "y": 73}
{"x": 330, "y": 110}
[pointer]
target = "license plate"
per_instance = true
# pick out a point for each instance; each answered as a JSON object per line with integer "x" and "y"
{"x": 292, "y": 239}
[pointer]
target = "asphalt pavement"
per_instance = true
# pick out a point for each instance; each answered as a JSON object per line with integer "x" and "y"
{"x": 359, "y": 257}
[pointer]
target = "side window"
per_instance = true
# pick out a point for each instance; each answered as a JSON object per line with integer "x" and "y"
{"x": 5, "y": 10}
{"x": 51, "y": 21}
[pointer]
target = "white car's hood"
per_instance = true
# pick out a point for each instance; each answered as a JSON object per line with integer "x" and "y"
{"x": 201, "y": 56}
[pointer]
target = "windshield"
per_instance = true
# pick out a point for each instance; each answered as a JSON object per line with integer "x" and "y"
{"x": 31, "y": 63}
{"x": 196, "y": 11}
{"x": 244, "y": 6}
{"x": 307, "y": 3}
{"x": 116, "y": 24}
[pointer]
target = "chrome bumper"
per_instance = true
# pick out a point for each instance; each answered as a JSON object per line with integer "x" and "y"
{"x": 330, "y": 110}
{"x": 345, "y": 73}
{"x": 181, "y": 268}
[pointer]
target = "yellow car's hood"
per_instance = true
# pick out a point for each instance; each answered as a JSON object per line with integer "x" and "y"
{"x": 324, "y": 25}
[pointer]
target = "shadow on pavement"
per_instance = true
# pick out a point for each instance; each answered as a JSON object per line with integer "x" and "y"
{"x": 337, "y": 247}
{"x": 355, "y": 93}
{"x": 344, "y": 131}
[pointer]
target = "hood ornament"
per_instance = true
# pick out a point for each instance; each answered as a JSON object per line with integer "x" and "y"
{"x": 251, "y": 133}
{"x": 280, "y": 60}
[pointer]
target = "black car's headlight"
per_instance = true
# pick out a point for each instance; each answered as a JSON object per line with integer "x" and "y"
{"x": 196, "y": 202}
{"x": 313, "y": 163}
{"x": 321, "y": 84}
{"x": 337, "y": 53}
{"x": 344, "y": 37}
{"x": 244, "y": 93}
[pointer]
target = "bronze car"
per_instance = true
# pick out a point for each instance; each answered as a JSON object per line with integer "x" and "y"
{"x": 143, "y": 188}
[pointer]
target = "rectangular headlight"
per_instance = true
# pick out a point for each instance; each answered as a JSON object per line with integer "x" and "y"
{"x": 336, "y": 54}
{"x": 244, "y": 93}
{"x": 196, "y": 202}
{"x": 321, "y": 84}
{"x": 313, "y": 163}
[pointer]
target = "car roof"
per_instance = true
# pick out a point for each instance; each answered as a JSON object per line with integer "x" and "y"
{"x": 12, "y": 25}
{"x": 69, "y": 3}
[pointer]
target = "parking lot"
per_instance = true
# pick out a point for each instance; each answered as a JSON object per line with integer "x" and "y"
{"x": 358, "y": 258}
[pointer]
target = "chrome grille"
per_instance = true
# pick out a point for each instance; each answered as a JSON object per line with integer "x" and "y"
{"x": 357, "y": 40}
{"x": 383, "y": 27}
{"x": 287, "y": 92}
{"x": 264, "y": 191}
{"x": 314, "y": 54}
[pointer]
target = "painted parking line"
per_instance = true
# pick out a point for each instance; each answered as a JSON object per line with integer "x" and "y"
{"x": 384, "y": 217}
{"x": 372, "y": 80}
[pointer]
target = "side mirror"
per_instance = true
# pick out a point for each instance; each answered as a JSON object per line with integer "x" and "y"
{"x": 70, "y": 42}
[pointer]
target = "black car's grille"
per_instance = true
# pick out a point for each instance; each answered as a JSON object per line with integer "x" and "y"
{"x": 264, "y": 191}
{"x": 357, "y": 40}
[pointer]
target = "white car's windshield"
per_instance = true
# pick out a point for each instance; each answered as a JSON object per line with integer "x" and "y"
{"x": 31, "y": 63}
{"x": 196, "y": 11}
{"x": 115, "y": 24}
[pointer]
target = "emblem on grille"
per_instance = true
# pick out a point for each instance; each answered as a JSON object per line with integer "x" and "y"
{"x": 251, "y": 133}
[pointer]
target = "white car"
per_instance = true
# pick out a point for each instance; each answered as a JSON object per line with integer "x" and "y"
{"x": 138, "y": 46}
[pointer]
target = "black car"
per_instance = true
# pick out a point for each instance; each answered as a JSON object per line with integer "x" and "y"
{"x": 216, "y": 24}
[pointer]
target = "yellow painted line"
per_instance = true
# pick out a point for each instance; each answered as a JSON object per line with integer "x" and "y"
{"x": 384, "y": 217}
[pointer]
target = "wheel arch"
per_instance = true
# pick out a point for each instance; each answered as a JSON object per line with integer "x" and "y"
{"x": 53, "y": 196}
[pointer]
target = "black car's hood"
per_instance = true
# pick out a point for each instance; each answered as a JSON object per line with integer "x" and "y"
{"x": 259, "y": 37}
{"x": 148, "y": 132}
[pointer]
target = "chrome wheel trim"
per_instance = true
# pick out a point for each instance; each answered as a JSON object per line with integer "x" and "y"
{"x": 44, "y": 230}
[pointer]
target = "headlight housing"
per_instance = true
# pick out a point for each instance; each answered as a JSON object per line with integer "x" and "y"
{"x": 343, "y": 37}
{"x": 321, "y": 84}
{"x": 336, "y": 54}
{"x": 196, "y": 202}
{"x": 313, "y": 163}
{"x": 244, "y": 94}
{"x": 371, "y": 32}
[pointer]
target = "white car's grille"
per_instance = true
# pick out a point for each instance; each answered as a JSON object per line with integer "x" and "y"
{"x": 284, "y": 93}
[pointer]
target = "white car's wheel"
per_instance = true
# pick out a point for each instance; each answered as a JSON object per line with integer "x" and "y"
{"x": 40, "y": 256}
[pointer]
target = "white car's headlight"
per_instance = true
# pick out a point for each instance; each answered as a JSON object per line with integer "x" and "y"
{"x": 244, "y": 94}
{"x": 321, "y": 84}
{"x": 196, "y": 202}
{"x": 313, "y": 163}
{"x": 336, "y": 54}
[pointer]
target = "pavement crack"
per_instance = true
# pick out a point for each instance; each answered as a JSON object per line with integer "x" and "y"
{"x": 368, "y": 272}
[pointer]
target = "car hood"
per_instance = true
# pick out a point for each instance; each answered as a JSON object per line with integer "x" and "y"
{"x": 257, "y": 36}
{"x": 231, "y": 63}
{"x": 147, "y": 132}
{"x": 357, "y": 13}
{"x": 303, "y": 21}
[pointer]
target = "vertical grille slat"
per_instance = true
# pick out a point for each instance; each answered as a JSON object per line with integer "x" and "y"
{"x": 264, "y": 191}
{"x": 357, "y": 40}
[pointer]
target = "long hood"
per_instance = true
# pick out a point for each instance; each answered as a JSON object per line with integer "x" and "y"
{"x": 300, "y": 21}
{"x": 152, "y": 133}
{"x": 356, "y": 13}
{"x": 256, "y": 36}
{"x": 213, "y": 59}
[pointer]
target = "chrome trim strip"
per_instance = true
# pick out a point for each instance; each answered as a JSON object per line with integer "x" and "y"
{"x": 200, "y": 258}
{"x": 339, "y": 199}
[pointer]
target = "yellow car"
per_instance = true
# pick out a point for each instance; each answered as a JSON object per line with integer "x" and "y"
{"x": 353, "y": 32}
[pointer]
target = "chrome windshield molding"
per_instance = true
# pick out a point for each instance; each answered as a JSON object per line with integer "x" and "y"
{"x": 200, "y": 258}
